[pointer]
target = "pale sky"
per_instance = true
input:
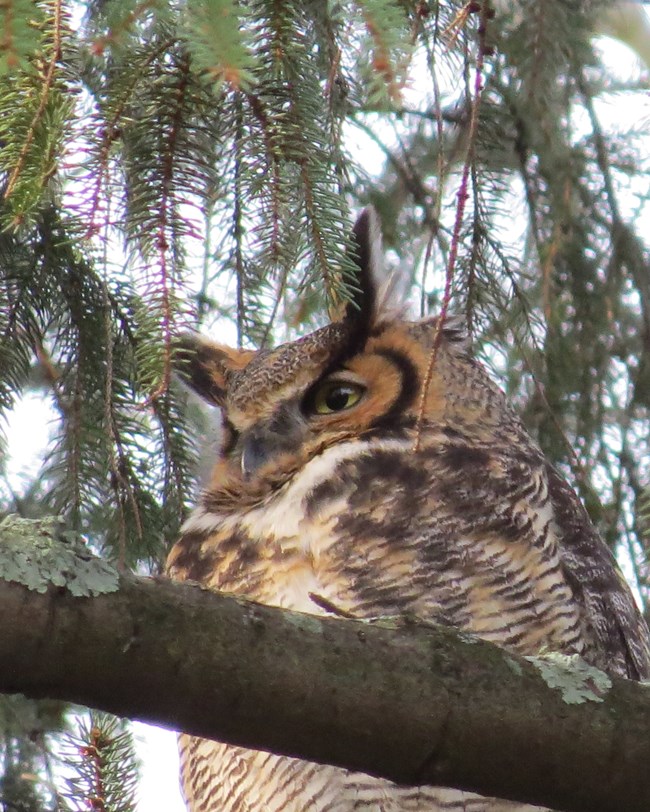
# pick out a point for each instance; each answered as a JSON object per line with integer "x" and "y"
{"x": 159, "y": 787}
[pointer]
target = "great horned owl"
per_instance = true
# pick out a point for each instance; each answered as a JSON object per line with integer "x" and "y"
{"x": 342, "y": 475}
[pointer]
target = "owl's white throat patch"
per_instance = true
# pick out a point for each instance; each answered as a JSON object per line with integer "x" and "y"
{"x": 282, "y": 514}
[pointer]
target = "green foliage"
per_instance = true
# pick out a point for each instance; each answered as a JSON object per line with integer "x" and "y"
{"x": 19, "y": 34}
{"x": 35, "y": 107}
{"x": 388, "y": 48}
{"x": 104, "y": 766}
{"x": 217, "y": 41}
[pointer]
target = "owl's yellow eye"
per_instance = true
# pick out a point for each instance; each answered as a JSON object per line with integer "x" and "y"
{"x": 335, "y": 396}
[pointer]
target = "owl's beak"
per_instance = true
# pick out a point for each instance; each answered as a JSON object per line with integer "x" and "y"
{"x": 284, "y": 432}
{"x": 255, "y": 452}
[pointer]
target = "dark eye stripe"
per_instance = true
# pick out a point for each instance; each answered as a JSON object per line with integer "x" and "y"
{"x": 410, "y": 385}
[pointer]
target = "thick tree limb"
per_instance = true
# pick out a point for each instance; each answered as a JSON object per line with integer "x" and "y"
{"x": 413, "y": 704}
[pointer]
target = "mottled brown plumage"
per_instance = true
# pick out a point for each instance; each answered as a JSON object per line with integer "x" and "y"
{"x": 324, "y": 487}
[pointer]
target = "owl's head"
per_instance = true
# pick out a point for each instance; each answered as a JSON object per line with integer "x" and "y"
{"x": 360, "y": 377}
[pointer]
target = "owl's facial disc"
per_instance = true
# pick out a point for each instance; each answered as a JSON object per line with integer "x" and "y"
{"x": 297, "y": 422}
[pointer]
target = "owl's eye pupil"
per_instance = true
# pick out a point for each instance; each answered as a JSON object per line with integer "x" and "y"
{"x": 335, "y": 397}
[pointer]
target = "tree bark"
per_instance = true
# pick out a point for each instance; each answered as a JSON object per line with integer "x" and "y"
{"x": 412, "y": 703}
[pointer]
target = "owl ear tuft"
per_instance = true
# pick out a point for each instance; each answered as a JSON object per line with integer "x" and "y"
{"x": 367, "y": 255}
{"x": 206, "y": 367}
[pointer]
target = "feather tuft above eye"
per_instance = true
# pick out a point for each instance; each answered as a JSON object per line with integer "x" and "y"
{"x": 367, "y": 254}
{"x": 377, "y": 293}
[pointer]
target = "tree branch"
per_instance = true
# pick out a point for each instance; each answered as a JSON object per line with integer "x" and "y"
{"x": 412, "y": 703}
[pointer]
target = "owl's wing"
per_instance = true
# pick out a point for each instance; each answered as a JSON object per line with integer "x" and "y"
{"x": 615, "y": 626}
{"x": 487, "y": 539}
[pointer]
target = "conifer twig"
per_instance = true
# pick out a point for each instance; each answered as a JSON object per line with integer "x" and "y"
{"x": 40, "y": 110}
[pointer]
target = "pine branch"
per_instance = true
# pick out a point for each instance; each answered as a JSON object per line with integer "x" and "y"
{"x": 35, "y": 112}
{"x": 19, "y": 35}
{"x": 102, "y": 759}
